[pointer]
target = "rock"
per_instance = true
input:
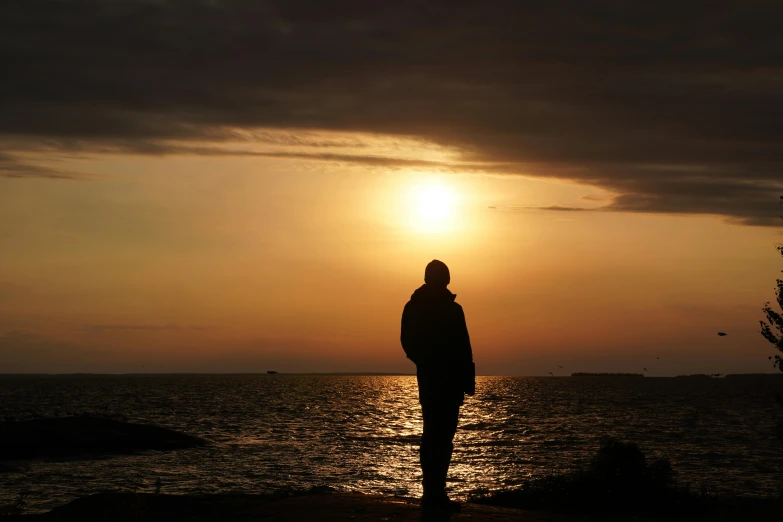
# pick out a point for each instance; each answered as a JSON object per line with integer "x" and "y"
{"x": 76, "y": 436}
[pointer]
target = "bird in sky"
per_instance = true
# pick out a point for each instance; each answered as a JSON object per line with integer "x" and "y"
{"x": 645, "y": 369}
{"x": 550, "y": 373}
{"x": 722, "y": 334}
{"x": 559, "y": 366}
{"x": 657, "y": 357}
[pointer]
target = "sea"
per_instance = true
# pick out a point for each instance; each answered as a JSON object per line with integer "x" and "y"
{"x": 361, "y": 433}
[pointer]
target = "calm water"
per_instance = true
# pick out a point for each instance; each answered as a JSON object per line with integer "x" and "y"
{"x": 361, "y": 433}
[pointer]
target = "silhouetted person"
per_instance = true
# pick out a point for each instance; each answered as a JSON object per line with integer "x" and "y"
{"x": 435, "y": 337}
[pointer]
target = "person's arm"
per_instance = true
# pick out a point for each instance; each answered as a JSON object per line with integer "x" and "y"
{"x": 464, "y": 336}
{"x": 408, "y": 334}
{"x": 467, "y": 352}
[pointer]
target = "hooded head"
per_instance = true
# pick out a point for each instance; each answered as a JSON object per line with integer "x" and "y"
{"x": 437, "y": 274}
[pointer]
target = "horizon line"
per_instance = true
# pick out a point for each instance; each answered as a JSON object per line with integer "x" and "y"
{"x": 381, "y": 374}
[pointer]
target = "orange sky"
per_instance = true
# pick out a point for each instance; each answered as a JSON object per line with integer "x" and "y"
{"x": 245, "y": 186}
{"x": 242, "y": 264}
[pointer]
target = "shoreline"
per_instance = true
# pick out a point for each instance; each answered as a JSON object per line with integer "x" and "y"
{"x": 337, "y": 506}
{"x": 731, "y": 376}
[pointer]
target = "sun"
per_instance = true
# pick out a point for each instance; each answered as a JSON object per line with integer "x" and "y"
{"x": 433, "y": 206}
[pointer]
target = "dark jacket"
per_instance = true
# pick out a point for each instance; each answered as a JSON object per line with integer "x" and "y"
{"x": 435, "y": 337}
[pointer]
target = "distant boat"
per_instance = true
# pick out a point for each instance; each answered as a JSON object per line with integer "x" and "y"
{"x": 271, "y": 372}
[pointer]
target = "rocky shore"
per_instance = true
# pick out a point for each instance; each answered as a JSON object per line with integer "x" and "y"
{"x": 84, "y": 435}
{"x": 333, "y": 507}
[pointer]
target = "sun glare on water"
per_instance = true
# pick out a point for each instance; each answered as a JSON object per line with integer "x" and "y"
{"x": 433, "y": 206}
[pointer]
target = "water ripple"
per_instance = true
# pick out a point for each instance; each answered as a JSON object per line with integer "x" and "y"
{"x": 362, "y": 433}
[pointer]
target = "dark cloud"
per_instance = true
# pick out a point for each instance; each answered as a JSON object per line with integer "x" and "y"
{"x": 674, "y": 106}
{"x": 140, "y": 327}
{"x": 376, "y": 161}
{"x": 561, "y": 208}
{"x": 745, "y": 201}
{"x": 12, "y": 167}
{"x": 18, "y": 335}
{"x": 557, "y": 208}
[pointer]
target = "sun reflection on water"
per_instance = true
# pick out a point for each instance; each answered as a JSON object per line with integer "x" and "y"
{"x": 362, "y": 432}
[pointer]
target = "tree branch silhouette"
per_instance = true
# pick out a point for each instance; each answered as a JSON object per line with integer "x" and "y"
{"x": 772, "y": 328}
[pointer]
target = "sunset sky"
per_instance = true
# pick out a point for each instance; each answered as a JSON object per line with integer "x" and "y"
{"x": 239, "y": 186}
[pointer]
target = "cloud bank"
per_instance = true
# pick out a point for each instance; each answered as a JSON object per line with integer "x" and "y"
{"x": 676, "y": 107}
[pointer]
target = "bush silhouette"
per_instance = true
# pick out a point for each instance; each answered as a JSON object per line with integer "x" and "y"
{"x": 617, "y": 478}
{"x": 621, "y": 466}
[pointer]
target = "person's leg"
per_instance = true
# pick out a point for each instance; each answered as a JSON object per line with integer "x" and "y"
{"x": 448, "y": 421}
{"x": 440, "y": 425}
{"x": 428, "y": 451}
{"x": 437, "y": 446}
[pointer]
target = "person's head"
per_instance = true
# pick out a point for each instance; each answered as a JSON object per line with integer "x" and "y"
{"x": 437, "y": 274}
